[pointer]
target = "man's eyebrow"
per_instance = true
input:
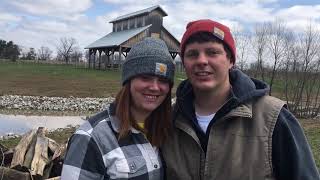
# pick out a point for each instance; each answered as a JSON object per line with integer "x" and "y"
{"x": 214, "y": 48}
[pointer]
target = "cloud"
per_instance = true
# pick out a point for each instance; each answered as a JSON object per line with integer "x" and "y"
{"x": 7, "y": 17}
{"x": 302, "y": 25}
{"x": 36, "y": 23}
{"x": 52, "y": 8}
{"x": 233, "y": 13}
{"x": 300, "y": 12}
{"x": 47, "y": 26}
{"x": 135, "y": 2}
{"x": 37, "y": 33}
{"x": 7, "y": 20}
{"x": 299, "y": 17}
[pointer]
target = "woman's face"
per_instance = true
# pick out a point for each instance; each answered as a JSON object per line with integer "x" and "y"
{"x": 148, "y": 92}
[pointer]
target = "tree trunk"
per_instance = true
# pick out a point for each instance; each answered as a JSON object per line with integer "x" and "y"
{"x": 36, "y": 153}
{"x": 21, "y": 149}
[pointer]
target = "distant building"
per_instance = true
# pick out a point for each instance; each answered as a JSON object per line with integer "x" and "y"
{"x": 107, "y": 52}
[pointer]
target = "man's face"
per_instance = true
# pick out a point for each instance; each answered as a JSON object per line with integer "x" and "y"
{"x": 207, "y": 66}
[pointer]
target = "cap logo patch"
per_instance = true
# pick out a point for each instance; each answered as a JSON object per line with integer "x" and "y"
{"x": 161, "y": 69}
{"x": 218, "y": 33}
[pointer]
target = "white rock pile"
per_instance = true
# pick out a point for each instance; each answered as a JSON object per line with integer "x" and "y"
{"x": 44, "y": 103}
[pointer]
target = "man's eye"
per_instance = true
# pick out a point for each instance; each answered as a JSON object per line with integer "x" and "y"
{"x": 212, "y": 52}
{"x": 191, "y": 54}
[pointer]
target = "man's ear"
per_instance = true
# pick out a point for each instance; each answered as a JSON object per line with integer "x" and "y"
{"x": 231, "y": 63}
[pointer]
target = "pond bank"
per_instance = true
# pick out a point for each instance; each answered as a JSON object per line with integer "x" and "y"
{"x": 20, "y": 124}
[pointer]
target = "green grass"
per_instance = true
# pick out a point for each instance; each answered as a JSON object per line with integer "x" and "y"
{"x": 56, "y": 80}
{"x": 37, "y": 79}
{"x": 61, "y": 136}
{"x": 312, "y": 131}
{"x": 10, "y": 143}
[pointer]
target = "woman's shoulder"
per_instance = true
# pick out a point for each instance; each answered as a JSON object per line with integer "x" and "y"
{"x": 95, "y": 122}
{"x": 97, "y": 118}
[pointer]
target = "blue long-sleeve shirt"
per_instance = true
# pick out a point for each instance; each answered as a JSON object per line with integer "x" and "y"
{"x": 291, "y": 154}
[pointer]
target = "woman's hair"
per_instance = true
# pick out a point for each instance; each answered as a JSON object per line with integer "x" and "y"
{"x": 157, "y": 124}
{"x": 203, "y": 37}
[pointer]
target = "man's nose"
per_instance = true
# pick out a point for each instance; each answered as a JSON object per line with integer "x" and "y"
{"x": 202, "y": 59}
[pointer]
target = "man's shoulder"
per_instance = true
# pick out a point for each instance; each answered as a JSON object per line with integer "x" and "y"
{"x": 267, "y": 109}
{"x": 269, "y": 101}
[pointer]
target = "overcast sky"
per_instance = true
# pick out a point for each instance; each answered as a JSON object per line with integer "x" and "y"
{"x": 36, "y": 23}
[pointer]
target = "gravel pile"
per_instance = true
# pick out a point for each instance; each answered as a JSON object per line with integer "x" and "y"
{"x": 44, "y": 103}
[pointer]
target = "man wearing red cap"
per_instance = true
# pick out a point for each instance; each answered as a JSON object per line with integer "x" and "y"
{"x": 226, "y": 127}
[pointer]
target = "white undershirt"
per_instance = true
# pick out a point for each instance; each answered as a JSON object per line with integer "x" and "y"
{"x": 204, "y": 121}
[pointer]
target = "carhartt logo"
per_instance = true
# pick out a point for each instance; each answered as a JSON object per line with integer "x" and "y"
{"x": 218, "y": 32}
{"x": 161, "y": 68}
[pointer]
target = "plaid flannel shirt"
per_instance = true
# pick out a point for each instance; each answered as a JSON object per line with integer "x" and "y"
{"x": 94, "y": 152}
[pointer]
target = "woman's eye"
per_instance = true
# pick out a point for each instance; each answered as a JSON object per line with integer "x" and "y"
{"x": 163, "y": 80}
{"x": 145, "y": 78}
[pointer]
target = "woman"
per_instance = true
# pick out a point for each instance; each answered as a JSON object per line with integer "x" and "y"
{"x": 122, "y": 142}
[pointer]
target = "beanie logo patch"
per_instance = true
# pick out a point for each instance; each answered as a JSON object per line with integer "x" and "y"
{"x": 218, "y": 33}
{"x": 161, "y": 69}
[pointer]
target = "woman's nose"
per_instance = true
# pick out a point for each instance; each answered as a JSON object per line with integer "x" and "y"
{"x": 154, "y": 84}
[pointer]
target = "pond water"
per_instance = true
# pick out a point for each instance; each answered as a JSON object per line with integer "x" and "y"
{"x": 19, "y": 124}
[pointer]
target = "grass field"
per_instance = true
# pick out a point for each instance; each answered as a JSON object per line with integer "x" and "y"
{"x": 56, "y": 80}
{"x": 64, "y": 81}
{"x": 59, "y": 80}
{"x": 312, "y": 130}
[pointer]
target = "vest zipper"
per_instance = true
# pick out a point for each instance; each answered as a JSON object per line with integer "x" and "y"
{"x": 186, "y": 129}
{"x": 218, "y": 121}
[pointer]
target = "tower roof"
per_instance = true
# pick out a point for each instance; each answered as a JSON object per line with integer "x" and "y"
{"x": 137, "y": 13}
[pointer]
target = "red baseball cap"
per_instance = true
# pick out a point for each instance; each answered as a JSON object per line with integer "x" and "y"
{"x": 217, "y": 29}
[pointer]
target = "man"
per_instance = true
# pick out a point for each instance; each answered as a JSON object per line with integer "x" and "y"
{"x": 225, "y": 125}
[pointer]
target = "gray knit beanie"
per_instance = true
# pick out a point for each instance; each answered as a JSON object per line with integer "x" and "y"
{"x": 149, "y": 56}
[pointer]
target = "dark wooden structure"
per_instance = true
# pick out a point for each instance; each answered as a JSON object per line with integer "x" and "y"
{"x": 107, "y": 52}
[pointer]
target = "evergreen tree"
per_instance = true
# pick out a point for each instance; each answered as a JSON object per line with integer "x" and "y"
{"x": 9, "y": 50}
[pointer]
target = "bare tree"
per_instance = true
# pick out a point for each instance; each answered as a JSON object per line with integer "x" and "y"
{"x": 242, "y": 42}
{"x": 259, "y": 47}
{"x": 290, "y": 64}
{"x": 309, "y": 44}
{"x": 316, "y": 104}
{"x": 65, "y": 48}
{"x": 311, "y": 88}
{"x": 44, "y": 53}
{"x": 29, "y": 55}
{"x": 86, "y": 55}
{"x": 277, "y": 47}
{"x": 76, "y": 56}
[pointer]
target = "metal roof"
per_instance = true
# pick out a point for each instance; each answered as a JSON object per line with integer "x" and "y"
{"x": 138, "y": 13}
{"x": 116, "y": 38}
